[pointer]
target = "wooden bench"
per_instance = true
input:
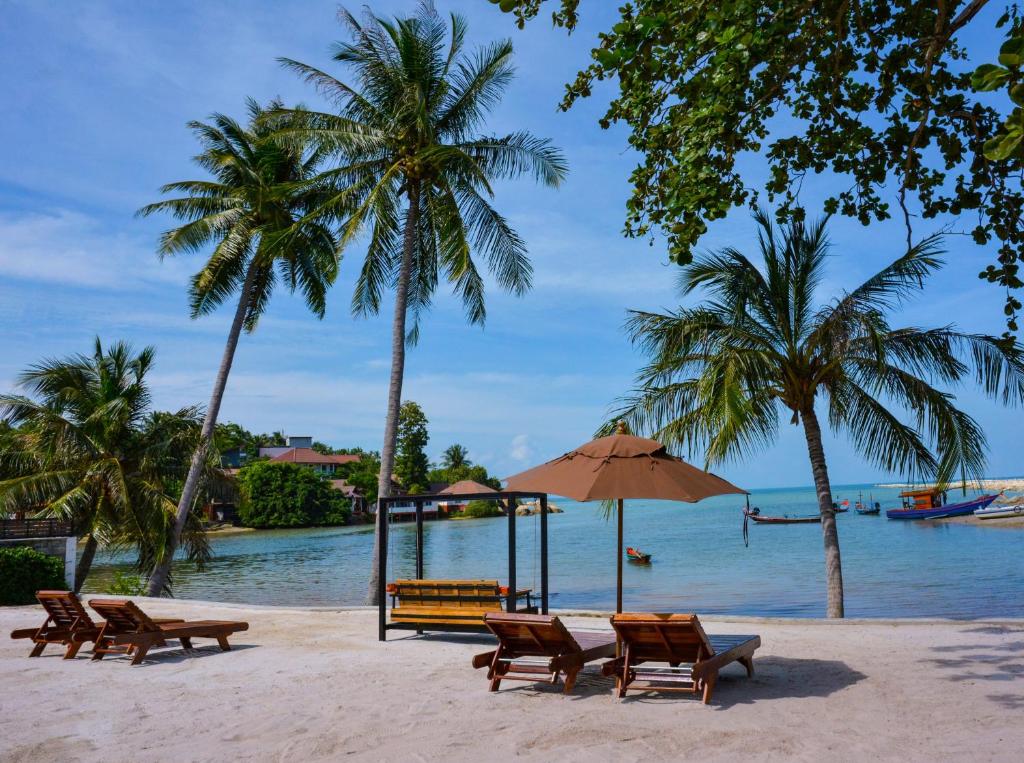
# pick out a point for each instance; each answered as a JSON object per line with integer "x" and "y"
{"x": 450, "y": 605}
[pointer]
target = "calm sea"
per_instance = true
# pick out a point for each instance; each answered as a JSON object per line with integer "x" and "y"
{"x": 890, "y": 568}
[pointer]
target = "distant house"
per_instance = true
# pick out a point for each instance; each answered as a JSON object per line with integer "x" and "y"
{"x": 320, "y": 463}
{"x": 293, "y": 442}
{"x": 353, "y": 494}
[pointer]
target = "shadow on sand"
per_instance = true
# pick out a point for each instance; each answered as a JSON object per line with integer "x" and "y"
{"x": 165, "y": 656}
{"x": 774, "y": 678}
{"x": 1000, "y": 662}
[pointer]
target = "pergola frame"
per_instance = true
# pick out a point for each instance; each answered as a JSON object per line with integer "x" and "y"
{"x": 509, "y": 497}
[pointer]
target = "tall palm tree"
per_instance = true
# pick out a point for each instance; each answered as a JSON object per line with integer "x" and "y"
{"x": 86, "y": 449}
{"x": 455, "y": 457}
{"x": 722, "y": 372}
{"x": 417, "y": 175}
{"x": 255, "y": 213}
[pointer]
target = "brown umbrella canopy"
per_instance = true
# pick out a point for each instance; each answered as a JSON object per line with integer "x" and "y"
{"x": 622, "y": 466}
{"x": 617, "y": 467}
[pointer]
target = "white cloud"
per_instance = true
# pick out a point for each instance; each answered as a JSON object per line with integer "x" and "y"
{"x": 520, "y": 450}
{"x": 74, "y": 249}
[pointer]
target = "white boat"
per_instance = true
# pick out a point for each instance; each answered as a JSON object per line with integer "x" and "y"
{"x": 1000, "y": 512}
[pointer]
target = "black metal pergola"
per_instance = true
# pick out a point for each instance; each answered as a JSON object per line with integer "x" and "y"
{"x": 509, "y": 498}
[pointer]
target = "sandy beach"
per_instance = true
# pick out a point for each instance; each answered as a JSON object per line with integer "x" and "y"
{"x": 316, "y": 685}
{"x": 1011, "y": 485}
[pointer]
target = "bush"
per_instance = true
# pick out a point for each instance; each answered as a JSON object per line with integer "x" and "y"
{"x": 288, "y": 495}
{"x": 126, "y": 584}
{"x": 23, "y": 571}
{"x": 481, "y": 509}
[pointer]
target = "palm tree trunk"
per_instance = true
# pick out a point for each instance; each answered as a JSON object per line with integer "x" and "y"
{"x": 85, "y": 562}
{"x": 387, "y": 452}
{"x": 829, "y": 530}
{"x": 161, "y": 572}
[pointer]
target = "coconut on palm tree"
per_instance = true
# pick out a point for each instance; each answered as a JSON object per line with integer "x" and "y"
{"x": 417, "y": 175}
{"x": 86, "y": 448}
{"x": 254, "y": 212}
{"x": 760, "y": 346}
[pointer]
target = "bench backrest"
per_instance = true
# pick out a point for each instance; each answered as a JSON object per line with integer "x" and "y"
{"x": 663, "y": 638}
{"x": 530, "y": 635}
{"x": 65, "y": 609}
{"x": 123, "y": 616}
{"x": 457, "y": 594}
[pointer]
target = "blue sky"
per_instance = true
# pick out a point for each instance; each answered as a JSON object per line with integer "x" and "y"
{"x": 98, "y": 98}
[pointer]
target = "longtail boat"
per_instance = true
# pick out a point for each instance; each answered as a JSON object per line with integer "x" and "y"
{"x": 785, "y": 519}
{"x": 930, "y": 504}
{"x": 636, "y": 555}
{"x": 866, "y": 511}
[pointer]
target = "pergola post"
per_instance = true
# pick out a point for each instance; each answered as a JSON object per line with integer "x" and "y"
{"x": 544, "y": 554}
{"x": 510, "y": 603}
{"x": 419, "y": 540}
{"x": 382, "y": 567}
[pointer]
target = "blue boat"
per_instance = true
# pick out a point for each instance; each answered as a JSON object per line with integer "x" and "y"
{"x": 917, "y": 511}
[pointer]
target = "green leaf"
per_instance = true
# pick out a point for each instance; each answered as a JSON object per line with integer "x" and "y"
{"x": 989, "y": 77}
{"x": 1002, "y": 147}
{"x": 1012, "y": 52}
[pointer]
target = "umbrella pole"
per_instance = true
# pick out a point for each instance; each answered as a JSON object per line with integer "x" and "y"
{"x": 618, "y": 591}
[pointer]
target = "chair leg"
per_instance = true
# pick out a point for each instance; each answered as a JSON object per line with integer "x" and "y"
{"x": 37, "y": 649}
{"x": 224, "y": 645}
{"x": 570, "y": 680}
{"x": 709, "y": 685}
{"x": 186, "y": 642}
{"x": 748, "y": 663}
{"x": 72, "y": 650}
{"x": 140, "y": 653}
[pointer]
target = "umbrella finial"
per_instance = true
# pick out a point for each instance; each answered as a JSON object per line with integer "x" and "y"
{"x": 621, "y": 428}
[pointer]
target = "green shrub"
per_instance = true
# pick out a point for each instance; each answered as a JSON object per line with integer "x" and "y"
{"x": 126, "y": 584}
{"x": 481, "y": 509}
{"x": 23, "y": 571}
{"x": 288, "y": 495}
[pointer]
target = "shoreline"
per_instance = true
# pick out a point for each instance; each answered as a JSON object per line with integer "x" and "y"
{"x": 1012, "y": 484}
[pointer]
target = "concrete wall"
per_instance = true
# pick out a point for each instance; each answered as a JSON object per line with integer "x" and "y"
{"x": 65, "y": 549}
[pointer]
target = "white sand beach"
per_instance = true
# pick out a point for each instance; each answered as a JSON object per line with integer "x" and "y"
{"x": 1011, "y": 485}
{"x": 316, "y": 685}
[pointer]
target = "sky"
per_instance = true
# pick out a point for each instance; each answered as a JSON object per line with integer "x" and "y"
{"x": 98, "y": 96}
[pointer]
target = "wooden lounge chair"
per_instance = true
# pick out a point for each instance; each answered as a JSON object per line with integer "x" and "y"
{"x": 449, "y": 605}
{"x": 130, "y": 631}
{"x": 66, "y": 623}
{"x": 674, "y": 639}
{"x": 539, "y": 648}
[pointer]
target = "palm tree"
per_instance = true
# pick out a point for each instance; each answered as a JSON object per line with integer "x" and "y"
{"x": 721, "y": 373}
{"x": 455, "y": 457}
{"x": 416, "y": 174}
{"x": 86, "y": 449}
{"x": 254, "y": 211}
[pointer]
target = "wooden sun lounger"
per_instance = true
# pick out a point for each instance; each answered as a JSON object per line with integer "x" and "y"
{"x": 67, "y": 623}
{"x": 674, "y": 639}
{"x": 129, "y": 630}
{"x": 539, "y": 648}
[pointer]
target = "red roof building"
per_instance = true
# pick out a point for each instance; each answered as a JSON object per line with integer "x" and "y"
{"x": 321, "y": 463}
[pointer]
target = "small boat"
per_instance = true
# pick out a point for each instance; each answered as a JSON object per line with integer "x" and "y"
{"x": 785, "y": 519}
{"x": 876, "y": 509}
{"x": 1000, "y": 512}
{"x": 930, "y": 504}
{"x": 638, "y": 556}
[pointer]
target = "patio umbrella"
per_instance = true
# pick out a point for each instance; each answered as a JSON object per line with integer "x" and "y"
{"x": 617, "y": 467}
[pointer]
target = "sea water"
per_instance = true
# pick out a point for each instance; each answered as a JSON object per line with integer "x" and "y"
{"x": 700, "y": 563}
